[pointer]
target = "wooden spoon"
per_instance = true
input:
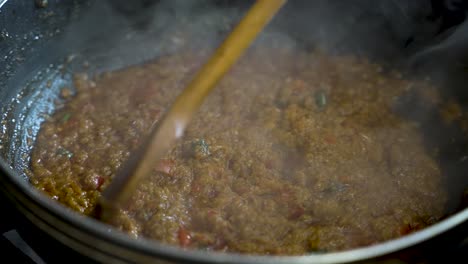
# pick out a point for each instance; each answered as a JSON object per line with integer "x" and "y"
{"x": 171, "y": 127}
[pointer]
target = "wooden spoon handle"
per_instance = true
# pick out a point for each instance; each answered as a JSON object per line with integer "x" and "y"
{"x": 173, "y": 124}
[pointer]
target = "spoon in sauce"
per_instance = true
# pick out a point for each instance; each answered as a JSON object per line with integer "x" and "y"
{"x": 172, "y": 126}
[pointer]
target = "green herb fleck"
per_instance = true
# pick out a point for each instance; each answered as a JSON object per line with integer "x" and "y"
{"x": 321, "y": 100}
{"x": 200, "y": 148}
{"x": 66, "y": 117}
{"x": 64, "y": 152}
{"x": 335, "y": 187}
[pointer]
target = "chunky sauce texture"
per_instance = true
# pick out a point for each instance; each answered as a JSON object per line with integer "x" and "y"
{"x": 293, "y": 153}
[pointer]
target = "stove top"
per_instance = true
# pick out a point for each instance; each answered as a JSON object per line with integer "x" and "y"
{"x": 12, "y": 244}
{"x": 21, "y": 241}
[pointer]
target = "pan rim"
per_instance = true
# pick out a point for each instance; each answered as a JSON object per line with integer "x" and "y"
{"x": 106, "y": 233}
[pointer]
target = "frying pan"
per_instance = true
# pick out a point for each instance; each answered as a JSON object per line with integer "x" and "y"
{"x": 42, "y": 45}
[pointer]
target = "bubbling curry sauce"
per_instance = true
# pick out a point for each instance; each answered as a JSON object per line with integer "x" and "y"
{"x": 294, "y": 152}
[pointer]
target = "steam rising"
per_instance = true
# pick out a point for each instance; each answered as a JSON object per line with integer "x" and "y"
{"x": 118, "y": 33}
{"x": 145, "y": 29}
{"x": 114, "y": 34}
